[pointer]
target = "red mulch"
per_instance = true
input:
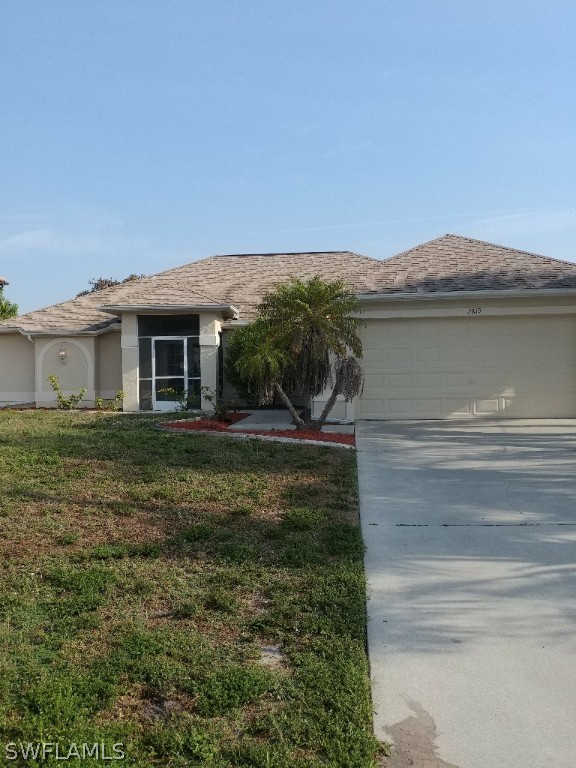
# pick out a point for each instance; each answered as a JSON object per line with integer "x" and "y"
{"x": 206, "y": 425}
{"x": 307, "y": 434}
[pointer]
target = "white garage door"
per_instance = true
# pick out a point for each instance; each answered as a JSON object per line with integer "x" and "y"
{"x": 491, "y": 367}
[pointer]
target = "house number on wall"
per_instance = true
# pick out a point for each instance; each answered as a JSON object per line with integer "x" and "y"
{"x": 474, "y": 311}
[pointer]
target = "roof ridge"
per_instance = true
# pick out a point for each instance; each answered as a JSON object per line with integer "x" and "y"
{"x": 416, "y": 248}
{"x": 476, "y": 240}
{"x": 274, "y": 253}
{"x": 158, "y": 274}
{"x": 507, "y": 248}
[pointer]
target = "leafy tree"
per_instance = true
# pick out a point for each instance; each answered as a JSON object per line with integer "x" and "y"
{"x": 304, "y": 339}
{"x": 100, "y": 283}
{"x": 7, "y": 308}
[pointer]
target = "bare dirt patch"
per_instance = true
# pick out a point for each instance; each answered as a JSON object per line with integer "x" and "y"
{"x": 415, "y": 742}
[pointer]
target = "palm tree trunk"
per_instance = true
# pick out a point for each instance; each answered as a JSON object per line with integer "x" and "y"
{"x": 284, "y": 397}
{"x": 327, "y": 408}
{"x": 349, "y": 382}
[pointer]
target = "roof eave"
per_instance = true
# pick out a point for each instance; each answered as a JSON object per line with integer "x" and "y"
{"x": 228, "y": 310}
{"x": 235, "y": 323}
{"x": 115, "y": 326}
{"x": 487, "y": 294}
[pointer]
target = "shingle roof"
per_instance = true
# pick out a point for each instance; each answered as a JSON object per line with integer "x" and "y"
{"x": 454, "y": 263}
{"x": 242, "y": 279}
{"x": 448, "y": 264}
{"x": 77, "y": 315}
{"x": 239, "y": 280}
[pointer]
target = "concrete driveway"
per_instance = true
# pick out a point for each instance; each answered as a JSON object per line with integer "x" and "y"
{"x": 471, "y": 564}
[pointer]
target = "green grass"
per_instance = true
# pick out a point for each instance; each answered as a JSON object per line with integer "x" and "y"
{"x": 144, "y": 572}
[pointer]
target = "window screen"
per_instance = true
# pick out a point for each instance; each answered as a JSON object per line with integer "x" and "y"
{"x": 168, "y": 325}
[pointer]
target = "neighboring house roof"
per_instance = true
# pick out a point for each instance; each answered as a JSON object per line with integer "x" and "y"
{"x": 237, "y": 282}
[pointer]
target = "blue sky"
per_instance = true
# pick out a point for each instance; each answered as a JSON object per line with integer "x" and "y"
{"x": 138, "y": 135}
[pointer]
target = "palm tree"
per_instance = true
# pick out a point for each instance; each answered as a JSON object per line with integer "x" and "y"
{"x": 256, "y": 366}
{"x": 301, "y": 341}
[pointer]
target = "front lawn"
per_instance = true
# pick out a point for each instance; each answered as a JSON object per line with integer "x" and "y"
{"x": 197, "y": 600}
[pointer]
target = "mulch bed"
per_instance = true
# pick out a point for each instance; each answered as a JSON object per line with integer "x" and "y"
{"x": 306, "y": 434}
{"x": 207, "y": 425}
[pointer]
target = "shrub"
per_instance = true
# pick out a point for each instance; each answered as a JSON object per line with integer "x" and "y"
{"x": 111, "y": 405}
{"x": 65, "y": 403}
{"x": 221, "y": 407}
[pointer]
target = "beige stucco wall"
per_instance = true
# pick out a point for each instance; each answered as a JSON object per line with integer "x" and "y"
{"x": 77, "y": 372}
{"x": 91, "y": 362}
{"x": 210, "y": 325}
{"x": 129, "y": 344}
{"x": 429, "y": 307}
{"x": 108, "y": 365}
{"x": 16, "y": 369}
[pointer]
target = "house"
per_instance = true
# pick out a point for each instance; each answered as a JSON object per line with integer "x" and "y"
{"x": 454, "y": 328}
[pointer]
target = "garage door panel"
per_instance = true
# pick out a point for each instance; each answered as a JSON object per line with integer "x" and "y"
{"x": 372, "y": 409}
{"x": 428, "y": 407}
{"x": 486, "y": 381}
{"x": 486, "y": 407}
{"x": 546, "y": 353}
{"x": 397, "y": 335}
{"x": 427, "y": 355}
{"x": 457, "y": 381}
{"x": 398, "y": 355}
{"x": 457, "y": 408}
{"x": 428, "y": 381}
{"x": 455, "y": 355}
{"x": 401, "y": 409}
{"x": 515, "y": 367}
{"x": 373, "y": 381}
{"x": 398, "y": 381}
{"x": 543, "y": 379}
{"x": 373, "y": 358}
{"x": 514, "y": 391}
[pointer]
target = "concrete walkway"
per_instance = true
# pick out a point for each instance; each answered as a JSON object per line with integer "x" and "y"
{"x": 471, "y": 552}
{"x": 280, "y": 419}
{"x": 264, "y": 419}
